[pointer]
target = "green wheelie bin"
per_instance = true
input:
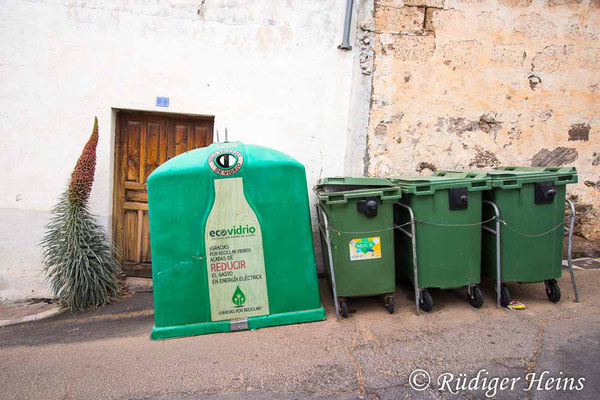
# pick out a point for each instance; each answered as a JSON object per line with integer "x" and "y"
{"x": 438, "y": 234}
{"x": 530, "y": 206}
{"x": 357, "y": 238}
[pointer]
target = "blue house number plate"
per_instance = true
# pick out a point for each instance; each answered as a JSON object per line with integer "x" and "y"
{"x": 162, "y": 102}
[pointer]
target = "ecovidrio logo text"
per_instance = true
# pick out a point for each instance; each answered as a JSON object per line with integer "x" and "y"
{"x": 234, "y": 230}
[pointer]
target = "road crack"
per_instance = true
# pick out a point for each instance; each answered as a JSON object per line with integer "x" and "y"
{"x": 532, "y": 363}
{"x": 359, "y": 373}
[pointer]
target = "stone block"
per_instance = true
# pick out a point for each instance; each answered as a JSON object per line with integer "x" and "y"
{"x": 446, "y": 20}
{"x": 490, "y": 22}
{"x": 425, "y": 3}
{"x": 589, "y": 58}
{"x": 484, "y": 158}
{"x": 534, "y": 26}
{"x": 411, "y": 3}
{"x": 515, "y": 3}
{"x": 396, "y": 20}
{"x": 552, "y": 3}
{"x": 389, "y": 3}
{"x": 408, "y": 48}
{"x": 552, "y": 58}
{"x": 579, "y": 28}
{"x": 462, "y": 54}
{"x": 508, "y": 55}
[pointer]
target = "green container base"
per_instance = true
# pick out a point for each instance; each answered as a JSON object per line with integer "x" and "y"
{"x": 533, "y": 281}
{"x": 356, "y": 296}
{"x": 446, "y": 286}
{"x": 205, "y": 328}
{"x": 451, "y": 287}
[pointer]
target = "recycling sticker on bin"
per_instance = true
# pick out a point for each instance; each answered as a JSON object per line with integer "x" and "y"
{"x": 236, "y": 266}
{"x": 365, "y": 248}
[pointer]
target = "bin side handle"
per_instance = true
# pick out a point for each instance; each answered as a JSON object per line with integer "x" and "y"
{"x": 510, "y": 184}
{"x": 570, "y": 248}
{"x": 565, "y": 179}
{"x": 324, "y": 228}
{"x": 496, "y": 232}
{"x": 392, "y": 195}
{"x": 479, "y": 185}
{"x": 413, "y": 237}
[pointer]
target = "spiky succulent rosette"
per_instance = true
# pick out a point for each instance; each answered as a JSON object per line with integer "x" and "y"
{"x": 79, "y": 259}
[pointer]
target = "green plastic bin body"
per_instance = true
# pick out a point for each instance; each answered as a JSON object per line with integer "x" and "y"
{"x": 231, "y": 242}
{"x": 526, "y": 256}
{"x": 362, "y": 247}
{"x": 448, "y": 241}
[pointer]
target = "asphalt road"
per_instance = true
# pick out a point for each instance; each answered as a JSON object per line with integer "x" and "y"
{"x": 107, "y": 353}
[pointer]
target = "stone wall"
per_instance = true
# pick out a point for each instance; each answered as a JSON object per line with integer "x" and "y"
{"x": 477, "y": 84}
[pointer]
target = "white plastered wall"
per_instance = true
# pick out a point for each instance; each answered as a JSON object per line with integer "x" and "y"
{"x": 270, "y": 71}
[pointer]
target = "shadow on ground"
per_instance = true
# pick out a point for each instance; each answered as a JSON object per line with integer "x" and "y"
{"x": 131, "y": 316}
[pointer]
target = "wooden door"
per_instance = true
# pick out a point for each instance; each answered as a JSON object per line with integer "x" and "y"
{"x": 143, "y": 141}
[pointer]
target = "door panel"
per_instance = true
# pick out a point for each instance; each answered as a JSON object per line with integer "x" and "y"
{"x": 200, "y": 136}
{"x": 152, "y": 148}
{"x": 146, "y": 259}
{"x": 134, "y": 131}
{"x": 143, "y": 142}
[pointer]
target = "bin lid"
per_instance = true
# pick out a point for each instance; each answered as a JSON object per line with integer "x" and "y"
{"x": 425, "y": 185}
{"x": 340, "y": 183}
{"x": 515, "y": 177}
{"x": 529, "y": 172}
{"x": 339, "y": 189}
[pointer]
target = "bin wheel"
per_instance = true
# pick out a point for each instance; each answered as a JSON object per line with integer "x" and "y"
{"x": 552, "y": 290}
{"x": 343, "y": 308}
{"x": 389, "y": 304}
{"x": 475, "y": 297}
{"x": 425, "y": 301}
{"x": 504, "y": 296}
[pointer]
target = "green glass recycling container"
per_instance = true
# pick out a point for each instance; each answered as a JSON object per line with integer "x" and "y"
{"x": 357, "y": 216}
{"x": 231, "y": 242}
{"x": 447, "y": 212}
{"x": 532, "y": 209}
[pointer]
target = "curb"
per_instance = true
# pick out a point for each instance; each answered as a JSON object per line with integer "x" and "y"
{"x": 565, "y": 263}
{"x": 34, "y": 317}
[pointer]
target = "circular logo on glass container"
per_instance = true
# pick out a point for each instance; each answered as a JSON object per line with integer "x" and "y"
{"x": 226, "y": 162}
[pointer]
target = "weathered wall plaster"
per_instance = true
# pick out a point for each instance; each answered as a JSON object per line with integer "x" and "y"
{"x": 481, "y": 83}
{"x": 356, "y": 142}
{"x": 270, "y": 71}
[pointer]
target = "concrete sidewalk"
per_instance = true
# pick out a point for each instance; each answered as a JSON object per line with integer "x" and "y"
{"x": 27, "y": 311}
{"x": 17, "y": 312}
{"x": 107, "y": 353}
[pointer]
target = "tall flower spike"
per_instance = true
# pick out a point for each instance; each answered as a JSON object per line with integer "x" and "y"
{"x": 82, "y": 177}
